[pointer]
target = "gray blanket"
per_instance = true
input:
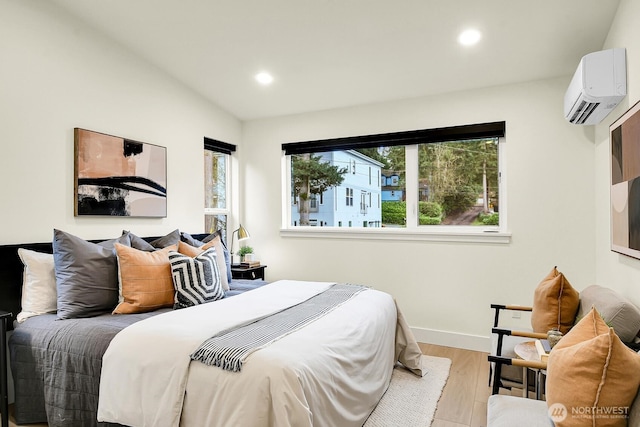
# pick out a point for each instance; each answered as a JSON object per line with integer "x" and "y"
{"x": 229, "y": 349}
{"x": 56, "y": 364}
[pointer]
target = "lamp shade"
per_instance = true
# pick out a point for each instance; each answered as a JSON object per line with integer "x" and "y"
{"x": 243, "y": 234}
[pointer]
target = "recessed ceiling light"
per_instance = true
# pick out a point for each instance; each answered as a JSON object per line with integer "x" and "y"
{"x": 469, "y": 37}
{"x": 264, "y": 78}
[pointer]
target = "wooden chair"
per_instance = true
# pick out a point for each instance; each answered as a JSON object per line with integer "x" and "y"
{"x": 506, "y": 369}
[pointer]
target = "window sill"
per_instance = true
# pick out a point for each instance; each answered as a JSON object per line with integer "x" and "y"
{"x": 456, "y": 236}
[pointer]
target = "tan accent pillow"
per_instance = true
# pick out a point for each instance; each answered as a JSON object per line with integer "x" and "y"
{"x": 188, "y": 250}
{"x": 216, "y": 243}
{"x": 594, "y": 375}
{"x": 591, "y": 325}
{"x": 146, "y": 282}
{"x": 555, "y": 304}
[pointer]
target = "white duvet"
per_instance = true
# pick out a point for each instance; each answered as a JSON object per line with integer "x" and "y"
{"x": 332, "y": 372}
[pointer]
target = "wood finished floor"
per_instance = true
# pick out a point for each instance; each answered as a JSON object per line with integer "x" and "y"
{"x": 464, "y": 400}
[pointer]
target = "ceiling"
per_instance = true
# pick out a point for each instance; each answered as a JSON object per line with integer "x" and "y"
{"x": 327, "y": 54}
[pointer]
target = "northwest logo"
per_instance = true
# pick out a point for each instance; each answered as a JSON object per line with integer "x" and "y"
{"x": 557, "y": 412}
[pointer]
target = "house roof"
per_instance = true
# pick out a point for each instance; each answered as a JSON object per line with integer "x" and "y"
{"x": 327, "y": 54}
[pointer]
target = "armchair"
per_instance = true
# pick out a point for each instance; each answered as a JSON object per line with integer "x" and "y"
{"x": 555, "y": 303}
{"x": 506, "y": 369}
{"x": 507, "y": 411}
{"x": 592, "y": 369}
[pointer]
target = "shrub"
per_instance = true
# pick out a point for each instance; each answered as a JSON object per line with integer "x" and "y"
{"x": 431, "y": 213}
{"x": 430, "y": 209}
{"x": 394, "y": 212}
{"x": 461, "y": 200}
{"x": 430, "y": 220}
{"x": 489, "y": 219}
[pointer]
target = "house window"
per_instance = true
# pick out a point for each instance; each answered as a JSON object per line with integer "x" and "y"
{"x": 433, "y": 180}
{"x": 313, "y": 203}
{"x": 349, "y": 194}
{"x": 217, "y": 156}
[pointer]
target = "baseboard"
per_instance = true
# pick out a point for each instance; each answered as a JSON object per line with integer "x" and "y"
{"x": 453, "y": 339}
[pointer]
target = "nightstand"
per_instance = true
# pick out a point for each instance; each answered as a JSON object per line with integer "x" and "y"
{"x": 251, "y": 273}
{"x": 5, "y": 318}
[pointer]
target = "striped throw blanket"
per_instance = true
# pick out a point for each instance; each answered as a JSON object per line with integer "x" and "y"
{"x": 229, "y": 349}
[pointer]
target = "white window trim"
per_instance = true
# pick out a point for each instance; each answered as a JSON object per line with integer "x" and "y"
{"x": 413, "y": 232}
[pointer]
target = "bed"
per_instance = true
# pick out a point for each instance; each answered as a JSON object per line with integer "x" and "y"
{"x": 331, "y": 371}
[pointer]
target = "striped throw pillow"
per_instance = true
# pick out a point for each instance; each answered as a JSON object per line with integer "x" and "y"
{"x": 196, "y": 280}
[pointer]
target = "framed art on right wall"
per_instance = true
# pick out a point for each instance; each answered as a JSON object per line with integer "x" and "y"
{"x": 624, "y": 135}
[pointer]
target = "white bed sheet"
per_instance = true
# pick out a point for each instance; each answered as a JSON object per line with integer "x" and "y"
{"x": 332, "y": 372}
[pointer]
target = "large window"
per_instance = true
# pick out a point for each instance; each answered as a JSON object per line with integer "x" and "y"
{"x": 216, "y": 185}
{"x": 446, "y": 179}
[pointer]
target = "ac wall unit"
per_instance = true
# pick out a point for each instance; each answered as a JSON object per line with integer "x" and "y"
{"x": 598, "y": 85}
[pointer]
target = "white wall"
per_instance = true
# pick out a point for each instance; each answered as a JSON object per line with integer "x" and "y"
{"x": 444, "y": 286}
{"x": 58, "y": 74}
{"x": 612, "y": 269}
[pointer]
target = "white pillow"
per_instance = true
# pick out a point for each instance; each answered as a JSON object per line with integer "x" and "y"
{"x": 39, "y": 294}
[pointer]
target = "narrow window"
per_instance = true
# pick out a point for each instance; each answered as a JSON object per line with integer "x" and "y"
{"x": 217, "y": 156}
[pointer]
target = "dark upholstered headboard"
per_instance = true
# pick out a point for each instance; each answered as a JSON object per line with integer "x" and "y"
{"x": 11, "y": 270}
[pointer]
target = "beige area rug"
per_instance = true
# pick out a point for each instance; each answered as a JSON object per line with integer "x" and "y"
{"x": 411, "y": 401}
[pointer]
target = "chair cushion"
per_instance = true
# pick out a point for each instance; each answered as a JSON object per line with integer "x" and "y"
{"x": 511, "y": 376}
{"x": 510, "y": 411}
{"x": 617, "y": 311}
{"x": 590, "y": 373}
{"x": 555, "y": 304}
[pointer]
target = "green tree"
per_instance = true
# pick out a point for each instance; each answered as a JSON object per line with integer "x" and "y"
{"x": 375, "y": 154}
{"x": 310, "y": 176}
{"x": 458, "y": 172}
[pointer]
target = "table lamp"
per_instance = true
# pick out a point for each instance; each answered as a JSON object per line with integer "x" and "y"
{"x": 242, "y": 233}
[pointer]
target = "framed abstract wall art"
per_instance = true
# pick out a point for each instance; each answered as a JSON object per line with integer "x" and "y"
{"x": 625, "y": 183}
{"x": 119, "y": 177}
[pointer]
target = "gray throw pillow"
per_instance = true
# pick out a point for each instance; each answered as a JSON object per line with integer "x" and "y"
{"x": 190, "y": 240}
{"x": 616, "y": 310}
{"x": 86, "y": 275}
{"x": 210, "y": 237}
{"x": 172, "y": 238}
{"x": 138, "y": 242}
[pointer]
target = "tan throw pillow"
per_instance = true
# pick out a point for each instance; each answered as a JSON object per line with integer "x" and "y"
{"x": 146, "y": 282}
{"x": 188, "y": 250}
{"x": 591, "y": 325}
{"x": 555, "y": 304}
{"x": 216, "y": 243}
{"x": 591, "y": 376}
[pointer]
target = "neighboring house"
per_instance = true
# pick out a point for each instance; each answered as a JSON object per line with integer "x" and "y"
{"x": 354, "y": 203}
{"x": 391, "y": 189}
